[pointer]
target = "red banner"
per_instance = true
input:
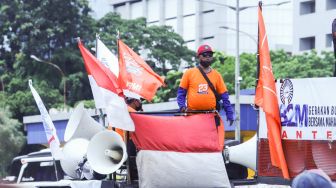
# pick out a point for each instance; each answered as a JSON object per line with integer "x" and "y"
{"x": 195, "y": 133}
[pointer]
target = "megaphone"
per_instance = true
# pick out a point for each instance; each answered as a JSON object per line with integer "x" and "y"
{"x": 106, "y": 152}
{"x": 244, "y": 154}
{"x": 73, "y": 151}
{"x": 81, "y": 125}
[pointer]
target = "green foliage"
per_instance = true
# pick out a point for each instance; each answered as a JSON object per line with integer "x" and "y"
{"x": 172, "y": 81}
{"x": 37, "y": 28}
{"x": 164, "y": 49}
{"x": 47, "y": 30}
{"x": 225, "y": 65}
{"x": 307, "y": 65}
{"x": 22, "y": 102}
{"x": 11, "y": 139}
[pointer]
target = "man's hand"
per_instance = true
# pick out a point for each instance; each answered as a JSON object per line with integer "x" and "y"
{"x": 183, "y": 109}
{"x": 231, "y": 122}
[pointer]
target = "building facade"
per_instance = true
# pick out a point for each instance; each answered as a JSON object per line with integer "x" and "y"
{"x": 213, "y": 22}
{"x": 312, "y": 25}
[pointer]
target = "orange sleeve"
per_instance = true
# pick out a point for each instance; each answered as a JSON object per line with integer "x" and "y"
{"x": 185, "y": 80}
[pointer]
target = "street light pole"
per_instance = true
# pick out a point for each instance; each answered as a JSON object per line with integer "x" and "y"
{"x": 237, "y": 77}
{"x": 59, "y": 70}
{"x": 237, "y": 64}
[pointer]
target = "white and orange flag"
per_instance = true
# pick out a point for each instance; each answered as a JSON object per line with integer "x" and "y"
{"x": 267, "y": 99}
{"x": 135, "y": 74}
{"x": 111, "y": 92}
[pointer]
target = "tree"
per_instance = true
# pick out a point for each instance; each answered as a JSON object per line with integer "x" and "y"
{"x": 164, "y": 50}
{"x": 11, "y": 138}
{"x": 44, "y": 29}
{"x": 307, "y": 65}
{"x": 172, "y": 80}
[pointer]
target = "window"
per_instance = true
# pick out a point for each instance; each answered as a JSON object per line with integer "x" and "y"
{"x": 307, "y": 43}
{"x": 328, "y": 40}
{"x": 208, "y": 23}
{"x": 153, "y": 9}
{"x": 331, "y": 4}
{"x": 307, "y": 7}
{"x": 171, "y": 8}
{"x": 189, "y": 28}
{"x": 136, "y": 10}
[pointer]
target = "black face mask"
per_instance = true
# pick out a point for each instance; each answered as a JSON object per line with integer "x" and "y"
{"x": 205, "y": 64}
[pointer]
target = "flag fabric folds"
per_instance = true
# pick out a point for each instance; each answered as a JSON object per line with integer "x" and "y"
{"x": 48, "y": 125}
{"x": 107, "y": 58}
{"x": 266, "y": 98}
{"x": 135, "y": 75}
{"x": 112, "y": 95}
{"x": 179, "y": 151}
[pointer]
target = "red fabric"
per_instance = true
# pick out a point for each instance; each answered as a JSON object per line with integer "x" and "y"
{"x": 266, "y": 98}
{"x": 135, "y": 75}
{"x": 195, "y": 133}
{"x": 102, "y": 75}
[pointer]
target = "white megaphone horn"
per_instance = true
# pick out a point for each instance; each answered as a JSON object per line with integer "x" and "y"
{"x": 244, "y": 154}
{"x": 81, "y": 125}
{"x": 73, "y": 151}
{"x": 106, "y": 152}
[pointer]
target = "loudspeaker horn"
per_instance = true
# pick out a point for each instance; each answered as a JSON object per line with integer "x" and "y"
{"x": 244, "y": 154}
{"x": 106, "y": 152}
{"x": 73, "y": 151}
{"x": 81, "y": 125}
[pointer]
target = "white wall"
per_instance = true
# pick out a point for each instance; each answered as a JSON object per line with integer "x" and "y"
{"x": 201, "y": 29}
{"x": 317, "y": 24}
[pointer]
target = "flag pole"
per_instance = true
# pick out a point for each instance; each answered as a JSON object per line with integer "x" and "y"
{"x": 258, "y": 60}
{"x": 49, "y": 127}
{"x": 101, "y": 113}
{"x": 126, "y": 133}
{"x": 256, "y": 107}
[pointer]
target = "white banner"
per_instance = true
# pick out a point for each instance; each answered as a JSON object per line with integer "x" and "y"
{"x": 48, "y": 125}
{"x": 307, "y": 109}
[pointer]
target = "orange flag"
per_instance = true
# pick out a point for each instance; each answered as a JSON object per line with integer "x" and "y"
{"x": 266, "y": 98}
{"x": 135, "y": 75}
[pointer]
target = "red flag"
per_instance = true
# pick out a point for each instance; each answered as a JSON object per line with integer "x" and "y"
{"x": 135, "y": 75}
{"x": 189, "y": 146}
{"x": 106, "y": 83}
{"x": 266, "y": 98}
{"x": 195, "y": 133}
